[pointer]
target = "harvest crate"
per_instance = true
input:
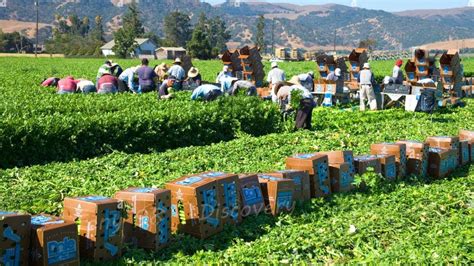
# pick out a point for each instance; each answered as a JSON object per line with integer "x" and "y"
{"x": 341, "y": 177}
{"x": 417, "y": 154}
{"x": 469, "y": 136}
{"x": 442, "y": 162}
{"x": 337, "y": 157}
{"x": 53, "y": 242}
{"x": 195, "y": 206}
{"x": 444, "y": 142}
{"x": 148, "y": 222}
{"x": 228, "y": 192}
{"x": 464, "y": 152}
{"x": 15, "y": 238}
{"x": 363, "y": 162}
{"x": 250, "y": 195}
{"x": 301, "y": 179}
{"x": 278, "y": 193}
{"x": 318, "y": 168}
{"x": 389, "y": 166}
{"x": 398, "y": 150}
{"x": 100, "y": 225}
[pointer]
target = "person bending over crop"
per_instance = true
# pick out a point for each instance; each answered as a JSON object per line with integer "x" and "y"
{"x": 307, "y": 80}
{"x": 107, "y": 84}
{"x": 178, "y": 72}
{"x": 243, "y": 87}
{"x": 194, "y": 79}
{"x": 206, "y": 92}
{"x": 85, "y": 86}
{"x": 166, "y": 88}
{"x": 126, "y": 80}
{"x": 299, "y": 98}
{"x": 66, "y": 85}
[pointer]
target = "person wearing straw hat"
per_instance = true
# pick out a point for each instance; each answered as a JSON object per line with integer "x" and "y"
{"x": 194, "y": 79}
{"x": 274, "y": 76}
{"x": 161, "y": 71}
{"x": 367, "y": 81}
{"x": 178, "y": 72}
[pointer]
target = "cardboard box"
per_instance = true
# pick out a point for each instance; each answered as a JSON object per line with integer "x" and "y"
{"x": 341, "y": 177}
{"x": 53, "y": 241}
{"x": 251, "y": 195}
{"x": 302, "y": 183}
{"x": 317, "y": 166}
{"x": 444, "y": 142}
{"x": 442, "y": 162}
{"x": 398, "y": 150}
{"x": 148, "y": 221}
{"x": 363, "y": 162}
{"x": 417, "y": 154}
{"x": 389, "y": 166}
{"x": 466, "y": 135}
{"x": 464, "y": 152}
{"x": 278, "y": 194}
{"x": 228, "y": 191}
{"x": 195, "y": 206}
{"x": 100, "y": 225}
{"x": 336, "y": 157}
{"x": 15, "y": 238}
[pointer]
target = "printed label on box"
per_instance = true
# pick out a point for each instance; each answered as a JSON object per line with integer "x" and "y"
{"x": 252, "y": 195}
{"x": 145, "y": 223}
{"x": 230, "y": 195}
{"x": 284, "y": 200}
{"x": 111, "y": 229}
{"x": 304, "y": 156}
{"x": 163, "y": 225}
{"x": 144, "y": 190}
{"x": 213, "y": 174}
{"x": 323, "y": 175}
{"x": 12, "y": 255}
{"x": 93, "y": 198}
{"x": 44, "y": 220}
{"x": 189, "y": 181}
{"x": 346, "y": 180}
{"x": 210, "y": 204}
{"x": 391, "y": 171}
{"x": 61, "y": 251}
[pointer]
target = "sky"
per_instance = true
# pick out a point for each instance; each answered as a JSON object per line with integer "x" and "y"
{"x": 388, "y": 5}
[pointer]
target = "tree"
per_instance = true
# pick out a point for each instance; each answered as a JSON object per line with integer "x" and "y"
{"x": 368, "y": 44}
{"x": 85, "y": 27}
{"x": 132, "y": 20}
{"x": 177, "y": 28}
{"x": 199, "y": 46}
{"x": 260, "y": 36}
{"x": 132, "y": 28}
{"x": 98, "y": 32}
{"x": 219, "y": 36}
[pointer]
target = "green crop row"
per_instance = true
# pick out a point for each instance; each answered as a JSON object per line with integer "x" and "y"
{"x": 149, "y": 126}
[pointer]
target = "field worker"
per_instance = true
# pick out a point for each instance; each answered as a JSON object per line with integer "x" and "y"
{"x": 115, "y": 69}
{"x": 85, "y": 86}
{"x": 67, "y": 85}
{"x": 367, "y": 81}
{"x": 178, "y": 72}
{"x": 166, "y": 88}
{"x": 274, "y": 76}
{"x": 224, "y": 74}
{"x": 105, "y": 68}
{"x": 307, "y": 80}
{"x": 243, "y": 87}
{"x": 50, "y": 82}
{"x": 146, "y": 77}
{"x": 334, "y": 75}
{"x": 397, "y": 73}
{"x": 161, "y": 71}
{"x": 304, "y": 112}
{"x": 206, "y": 92}
{"x": 107, "y": 84}
{"x": 126, "y": 80}
{"x": 194, "y": 79}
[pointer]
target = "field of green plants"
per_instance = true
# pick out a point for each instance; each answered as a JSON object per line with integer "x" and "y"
{"x": 55, "y": 146}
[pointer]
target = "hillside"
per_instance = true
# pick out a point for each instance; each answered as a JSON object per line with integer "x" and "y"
{"x": 310, "y": 26}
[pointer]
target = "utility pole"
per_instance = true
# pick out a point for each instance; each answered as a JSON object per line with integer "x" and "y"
{"x": 335, "y": 36}
{"x": 37, "y": 27}
{"x": 273, "y": 36}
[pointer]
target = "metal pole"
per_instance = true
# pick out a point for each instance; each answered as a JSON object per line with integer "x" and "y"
{"x": 273, "y": 36}
{"x": 37, "y": 27}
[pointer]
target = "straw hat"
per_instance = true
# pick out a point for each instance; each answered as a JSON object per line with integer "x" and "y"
{"x": 274, "y": 64}
{"x": 193, "y": 72}
{"x": 367, "y": 66}
{"x": 177, "y": 60}
{"x": 337, "y": 72}
{"x": 295, "y": 80}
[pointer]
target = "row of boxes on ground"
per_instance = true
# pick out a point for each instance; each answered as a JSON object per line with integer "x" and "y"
{"x": 201, "y": 204}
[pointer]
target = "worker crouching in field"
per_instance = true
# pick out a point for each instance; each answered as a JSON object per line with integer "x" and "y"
{"x": 126, "y": 80}
{"x": 242, "y": 87}
{"x": 307, "y": 80}
{"x": 146, "y": 77}
{"x": 178, "y": 72}
{"x": 67, "y": 85}
{"x": 107, "y": 84}
{"x": 206, "y": 92}
{"x": 166, "y": 88}
{"x": 194, "y": 79}
{"x": 367, "y": 82}
{"x": 50, "y": 82}
{"x": 299, "y": 98}
{"x": 85, "y": 86}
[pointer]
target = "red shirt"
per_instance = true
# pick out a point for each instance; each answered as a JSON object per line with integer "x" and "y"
{"x": 67, "y": 84}
{"x": 107, "y": 79}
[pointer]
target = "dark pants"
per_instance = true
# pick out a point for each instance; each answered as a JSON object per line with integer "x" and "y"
{"x": 304, "y": 114}
{"x": 147, "y": 88}
{"x": 89, "y": 89}
{"x": 212, "y": 95}
{"x": 122, "y": 86}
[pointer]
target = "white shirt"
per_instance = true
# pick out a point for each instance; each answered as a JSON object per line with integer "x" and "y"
{"x": 177, "y": 71}
{"x": 365, "y": 77}
{"x": 83, "y": 83}
{"x": 223, "y": 75}
{"x": 276, "y": 75}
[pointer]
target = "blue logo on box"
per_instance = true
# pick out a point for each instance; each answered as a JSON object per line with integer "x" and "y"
{"x": 12, "y": 255}
{"x": 111, "y": 229}
{"x": 304, "y": 156}
{"x": 284, "y": 200}
{"x": 252, "y": 195}
{"x": 144, "y": 190}
{"x": 43, "y": 220}
{"x": 163, "y": 225}
{"x": 189, "y": 181}
{"x": 213, "y": 174}
{"x": 323, "y": 175}
{"x": 61, "y": 251}
{"x": 210, "y": 204}
{"x": 230, "y": 197}
{"x": 93, "y": 198}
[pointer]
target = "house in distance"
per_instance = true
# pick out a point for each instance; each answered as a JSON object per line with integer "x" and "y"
{"x": 145, "y": 49}
{"x": 163, "y": 53}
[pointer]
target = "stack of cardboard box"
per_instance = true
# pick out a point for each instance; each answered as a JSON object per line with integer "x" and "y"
{"x": 317, "y": 167}
{"x": 396, "y": 149}
{"x": 279, "y": 193}
{"x": 468, "y": 136}
{"x": 417, "y": 157}
{"x": 15, "y": 238}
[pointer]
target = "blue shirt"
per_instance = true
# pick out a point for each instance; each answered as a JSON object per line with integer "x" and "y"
{"x": 177, "y": 71}
{"x": 203, "y": 90}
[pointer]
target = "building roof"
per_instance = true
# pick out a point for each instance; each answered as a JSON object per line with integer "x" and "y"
{"x": 178, "y": 49}
{"x": 111, "y": 44}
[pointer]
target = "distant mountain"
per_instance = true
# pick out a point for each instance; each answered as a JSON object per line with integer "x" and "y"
{"x": 310, "y": 26}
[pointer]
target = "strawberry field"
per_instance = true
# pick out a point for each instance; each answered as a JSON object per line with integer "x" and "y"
{"x": 53, "y": 147}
